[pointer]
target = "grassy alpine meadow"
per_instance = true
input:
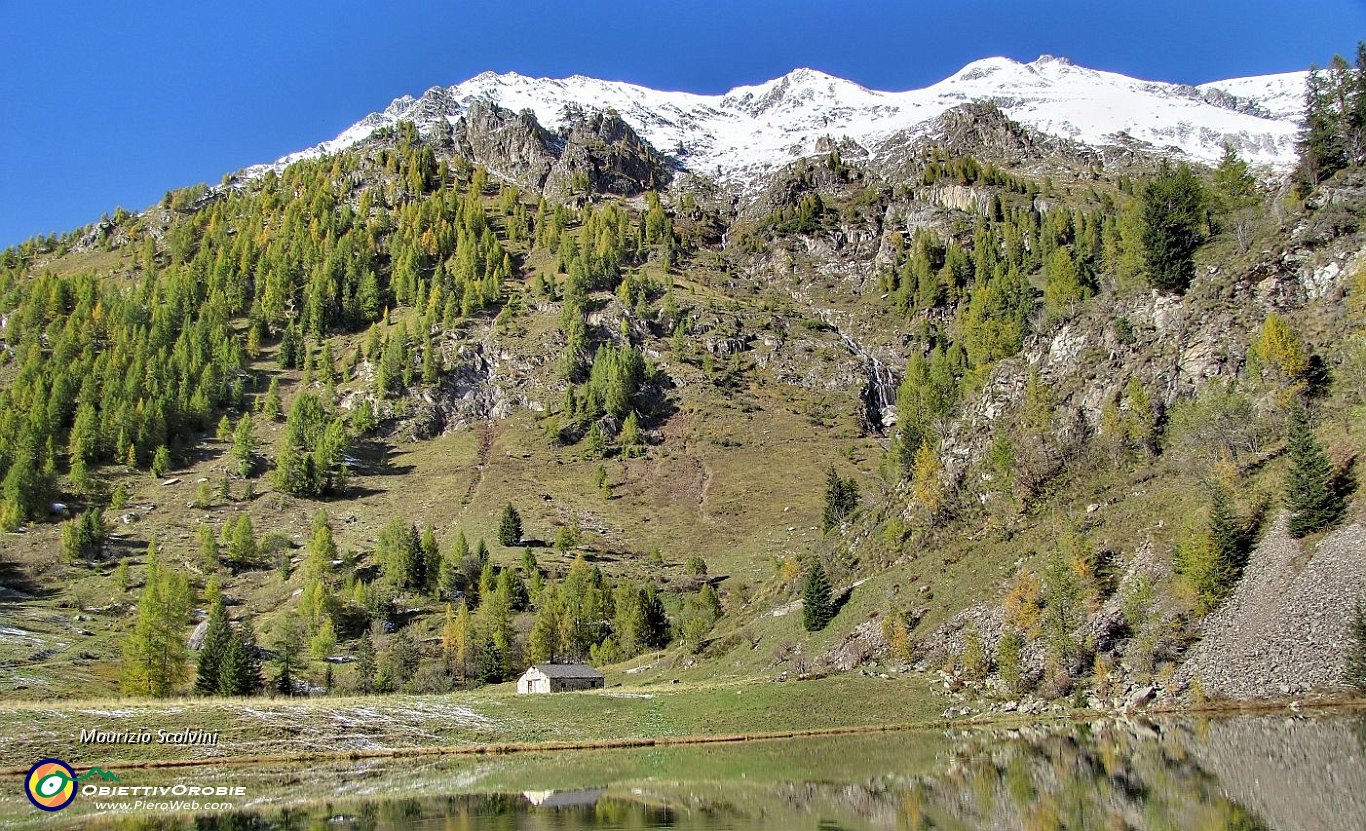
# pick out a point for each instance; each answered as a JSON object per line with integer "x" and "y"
{"x": 488, "y": 719}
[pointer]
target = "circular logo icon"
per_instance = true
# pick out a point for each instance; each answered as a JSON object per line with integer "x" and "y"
{"x": 51, "y": 784}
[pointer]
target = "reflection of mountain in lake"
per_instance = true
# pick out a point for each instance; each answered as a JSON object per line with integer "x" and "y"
{"x": 1298, "y": 774}
{"x": 1108, "y": 775}
{"x": 1246, "y": 773}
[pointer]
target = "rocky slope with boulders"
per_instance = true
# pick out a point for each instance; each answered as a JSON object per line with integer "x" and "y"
{"x": 1284, "y": 631}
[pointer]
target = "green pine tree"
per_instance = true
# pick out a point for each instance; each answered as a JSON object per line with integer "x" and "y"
{"x": 1310, "y": 491}
{"x": 1211, "y": 561}
{"x": 240, "y": 672}
{"x": 217, "y": 636}
{"x": 161, "y": 462}
{"x": 232, "y": 669}
{"x": 1174, "y": 225}
{"x": 243, "y": 445}
{"x": 510, "y": 526}
{"x": 841, "y": 498}
{"x": 364, "y": 678}
{"x": 817, "y": 606}
{"x": 289, "y": 648}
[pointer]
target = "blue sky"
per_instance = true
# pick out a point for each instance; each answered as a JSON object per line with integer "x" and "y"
{"x": 114, "y": 103}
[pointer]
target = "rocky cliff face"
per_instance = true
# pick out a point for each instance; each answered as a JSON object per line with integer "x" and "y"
{"x": 514, "y": 146}
{"x": 595, "y": 153}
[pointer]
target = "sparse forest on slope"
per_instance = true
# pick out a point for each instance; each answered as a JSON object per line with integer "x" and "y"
{"x": 412, "y": 414}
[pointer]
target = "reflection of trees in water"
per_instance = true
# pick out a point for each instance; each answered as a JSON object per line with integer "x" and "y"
{"x": 1110, "y": 776}
{"x": 485, "y": 812}
{"x": 1244, "y": 773}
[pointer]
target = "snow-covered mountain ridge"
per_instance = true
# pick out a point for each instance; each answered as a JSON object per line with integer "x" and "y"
{"x": 750, "y": 130}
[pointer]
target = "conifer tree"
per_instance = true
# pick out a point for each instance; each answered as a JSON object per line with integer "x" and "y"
{"x": 431, "y": 560}
{"x": 543, "y": 640}
{"x": 1279, "y": 351}
{"x": 817, "y": 608}
{"x": 595, "y": 444}
{"x": 243, "y": 445}
{"x": 154, "y": 652}
{"x": 240, "y": 672}
{"x": 288, "y": 647}
{"x": 1173, "y": 227}
{"x": 82, "y": 538}
{"x": 161, "y": 461}
{"x": 530, "y": 568}
{"x": 324, "y": 641}
{"x": 1234, "y": 185}
{"x": 510, "y": 526}
{"x": 841, "y": 498}
{"x": 1310, "y": 488}
{"x": 242, "y": 545}
{"x": 927, "y": 484}
{"x": 656, "y": 632}
{"x": 1225, "y": 528}
{"x": 322, "y": 549}
{"x": 400, "y": 660}
{"x": 449, "y": 577}
{"x": 217, "y": 636}
{"x": 270, "y": 405}
{"x": 632, "y": 438}
{"x": 1320, "y": 144}
{"x": 448, "y": 637}
{"x": 399, "y": 553}
{"x": 208, "y": 549}
{"x": 364, "y": 679}
{"x": 311, "y": 463}
{"x": 1211, "y": 560}
{"x": 462, "y": 640}
{"x": 1063, "y": 288}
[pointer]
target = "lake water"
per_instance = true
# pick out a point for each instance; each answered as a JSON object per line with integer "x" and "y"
{"x": 1270, "y": 772}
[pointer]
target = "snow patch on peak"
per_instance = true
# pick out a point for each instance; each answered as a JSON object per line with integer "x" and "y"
{"x": 983, "y": 68}
{"x": 1280, "y": 96}
{"x": 741, "y": 134}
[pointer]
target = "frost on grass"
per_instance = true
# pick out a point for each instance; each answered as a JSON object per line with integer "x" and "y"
{"x": 355, "y": 727}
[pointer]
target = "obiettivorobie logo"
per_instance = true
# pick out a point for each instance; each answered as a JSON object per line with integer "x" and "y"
{"x": 51, "y": 783}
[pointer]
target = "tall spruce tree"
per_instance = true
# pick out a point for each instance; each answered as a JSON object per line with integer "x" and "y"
{"x": 289, "y": 649}
{"x": 240, "y": 672}
{"x": 1226, "y": 531}
{"x": 817, "y": 606}
{"x": 1174, "y": 225}
{"x": 217, "y": 636}
{"x": 510, "y": 526}
{"x": 1212, "y": 561}
{"x": 841, "y": 498}
{"x": 656, "y": 618}
{"x": 364, "y": 678}
{"x": 1310, "y": 491}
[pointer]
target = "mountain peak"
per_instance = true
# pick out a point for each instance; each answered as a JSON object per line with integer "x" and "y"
{"x": 1054, "y": 60}
{"x": 741, "y": 134}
